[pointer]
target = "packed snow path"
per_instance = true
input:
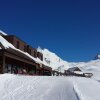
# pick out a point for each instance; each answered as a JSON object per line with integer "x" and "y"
{"x": 35, "y": 88}
{"x": 17, "y": 87}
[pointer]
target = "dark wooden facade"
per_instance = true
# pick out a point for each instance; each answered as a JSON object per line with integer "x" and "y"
{"x": 19, "y": 44}
{"x": 13, "y": 61}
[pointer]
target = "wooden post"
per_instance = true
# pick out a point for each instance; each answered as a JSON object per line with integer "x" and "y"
{"x": 12, "y": 68}
{"x": 24, "y": 66}
{"x": 3, "y": 69}
{"x": 36, "y": 66}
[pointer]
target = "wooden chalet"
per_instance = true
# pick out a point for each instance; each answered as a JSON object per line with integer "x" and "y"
{"x": 15, "y": 61}
{"x": 75, "y": 71}
{"x": 71, "y": 71}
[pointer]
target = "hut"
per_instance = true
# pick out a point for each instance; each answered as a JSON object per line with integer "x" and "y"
{"x": 75, "y": 71}
{"x": 71, "y": 71}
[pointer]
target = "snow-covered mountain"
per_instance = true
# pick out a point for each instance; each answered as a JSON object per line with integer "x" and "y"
{"x": 53, "y": 60}
{"x": 59, "y": 64}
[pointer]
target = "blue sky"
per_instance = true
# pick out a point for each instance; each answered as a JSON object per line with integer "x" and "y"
{"x": 70, "y": 28}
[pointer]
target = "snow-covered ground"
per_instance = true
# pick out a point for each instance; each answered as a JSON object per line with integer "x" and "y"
{"x": 87, "y": 89}
{"x": 17, "y": 87}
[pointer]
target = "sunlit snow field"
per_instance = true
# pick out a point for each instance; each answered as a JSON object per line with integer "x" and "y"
{"x": 17, "y": 87}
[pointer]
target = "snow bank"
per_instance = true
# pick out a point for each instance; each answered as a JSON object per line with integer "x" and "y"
{"x": 16, "y": 87}
{"x": 92, "y": 66}
{"x": 78, "y": 72}
{"x": 86, "y": 89}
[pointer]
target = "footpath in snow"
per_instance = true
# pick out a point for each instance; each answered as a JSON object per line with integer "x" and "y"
{"x": 17, "y": 87}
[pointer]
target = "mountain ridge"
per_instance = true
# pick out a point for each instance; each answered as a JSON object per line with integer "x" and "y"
{"x": 60, "y": 65}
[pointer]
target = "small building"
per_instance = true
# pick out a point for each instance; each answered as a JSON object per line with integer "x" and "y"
{"x": 75, "y": 71}
{"x": 71, "y": 71}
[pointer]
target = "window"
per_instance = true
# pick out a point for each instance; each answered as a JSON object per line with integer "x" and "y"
{"x": 38, "y": 55}
{"x": 41, "y": 57}
{"x": 30, "y": 51}
{"x": 18, "y": 44}
{"x": 35, "y": 54}
{"x": 24, "y": 48}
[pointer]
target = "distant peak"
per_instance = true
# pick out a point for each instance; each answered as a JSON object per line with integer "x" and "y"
{"x": 97, "y": 56}
{"x": 39, "y": 49}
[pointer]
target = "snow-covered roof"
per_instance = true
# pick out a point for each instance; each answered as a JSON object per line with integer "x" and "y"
{"x": 78, "y": 72}
{"x": 8, "y": 45}
{"x": 2, "y": 33}
{"x": 5, "y": 43}
{"x": 74, "y": 69}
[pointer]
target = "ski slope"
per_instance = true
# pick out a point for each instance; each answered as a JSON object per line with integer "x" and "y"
{"x": 17, "y": 87}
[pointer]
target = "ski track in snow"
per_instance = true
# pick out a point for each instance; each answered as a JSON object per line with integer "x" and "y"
{"x": 18, "y": 87}
{"x": 36, "y": 88}
{"x": 86, "y": 88}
